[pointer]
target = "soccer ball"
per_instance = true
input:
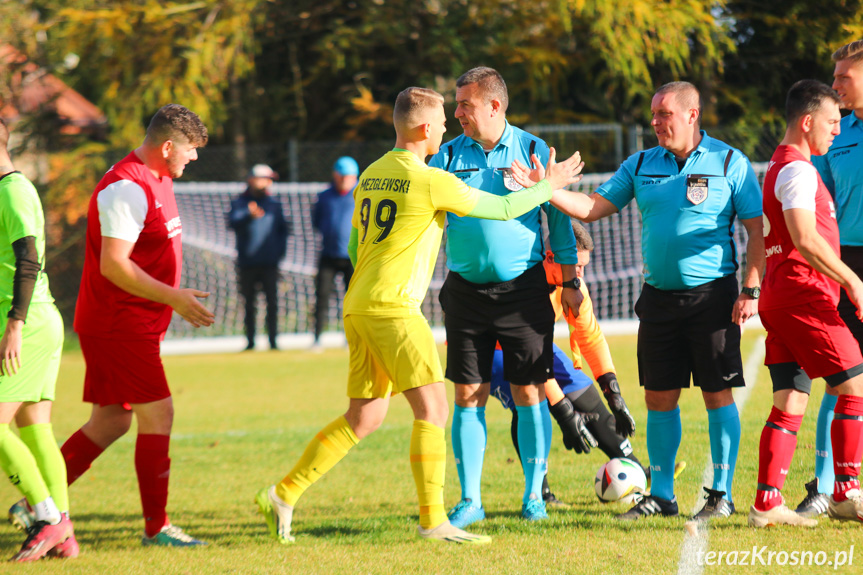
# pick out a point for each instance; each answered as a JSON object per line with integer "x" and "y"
{"x": 619, "y": 480}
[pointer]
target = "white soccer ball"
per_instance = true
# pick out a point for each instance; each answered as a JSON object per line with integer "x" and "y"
{"x": 619, "y": 480}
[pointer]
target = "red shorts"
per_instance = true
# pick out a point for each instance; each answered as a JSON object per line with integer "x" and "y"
{"x": 123, "y": 371}
{"x": 813, "y": 335}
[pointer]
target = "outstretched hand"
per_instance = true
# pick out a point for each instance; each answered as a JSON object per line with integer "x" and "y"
{"x": 559, "y": 175}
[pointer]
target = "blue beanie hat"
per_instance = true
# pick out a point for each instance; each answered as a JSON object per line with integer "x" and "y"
{"x": 346, "y": 166}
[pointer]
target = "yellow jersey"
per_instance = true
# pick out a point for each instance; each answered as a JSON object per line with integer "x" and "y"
{"x": 400, "y": 206}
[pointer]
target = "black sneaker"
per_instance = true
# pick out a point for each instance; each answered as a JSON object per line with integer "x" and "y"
{"x": 716, "y": 507}
{"x": 650, "y": 505}
{"x": 815, "y": 503}
{"x": 552, "y": 501}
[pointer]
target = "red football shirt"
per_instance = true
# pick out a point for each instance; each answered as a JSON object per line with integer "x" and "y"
{"x": 788, "y": 278}
{"x": 105, "y": 310}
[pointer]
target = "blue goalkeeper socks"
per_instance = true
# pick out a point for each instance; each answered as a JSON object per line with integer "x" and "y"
{"x": 468, "y": 445}
{"x": 664, "y": 431}
{"x": 534, "y": 442}
{"x": 824, "y": 447}
{"x": 724, "y": 426}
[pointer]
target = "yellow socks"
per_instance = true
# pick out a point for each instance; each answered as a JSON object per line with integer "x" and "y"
{"x": 20, "y": 467}
{"x": 39, "y": 438}
{"x": 428, "y": 463}
{"x": 332, "y": 443}
{"x": 328, "y": 447}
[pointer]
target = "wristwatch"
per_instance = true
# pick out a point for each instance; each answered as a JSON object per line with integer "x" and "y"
{"x": 752, "y": 292}
{"x": 574, "y": 283}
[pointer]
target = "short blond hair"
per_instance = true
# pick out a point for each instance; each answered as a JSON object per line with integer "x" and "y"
{"x": 852, "y": 51}
{"x": 411, "y": 104}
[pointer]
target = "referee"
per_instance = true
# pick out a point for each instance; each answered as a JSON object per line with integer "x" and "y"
{"x": 689, "y": 190}
{"x": 496, "y": 291}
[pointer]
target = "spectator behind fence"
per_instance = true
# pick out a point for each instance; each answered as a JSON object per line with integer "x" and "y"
{"x": 332, "y": 218}
{"x": 262, "y": 234}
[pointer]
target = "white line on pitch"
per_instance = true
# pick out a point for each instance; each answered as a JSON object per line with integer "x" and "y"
{"x": 695, "y": 539}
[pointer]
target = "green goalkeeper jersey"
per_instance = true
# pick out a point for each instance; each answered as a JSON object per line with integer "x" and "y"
{"x": 20, "y": 216}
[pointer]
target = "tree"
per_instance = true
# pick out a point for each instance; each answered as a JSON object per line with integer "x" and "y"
{"x": 137, "y": 56}
{"x": 332, "y": 68}
{"x": 777, "y": 44}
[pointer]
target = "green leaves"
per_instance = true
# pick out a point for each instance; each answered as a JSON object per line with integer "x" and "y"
{"x": 140, "y": 55}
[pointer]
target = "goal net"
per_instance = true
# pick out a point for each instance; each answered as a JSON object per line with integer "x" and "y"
{"x": 614, "y": 274}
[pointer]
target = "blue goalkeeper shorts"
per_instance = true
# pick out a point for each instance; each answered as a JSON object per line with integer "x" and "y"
{"x": 568, "y": 378}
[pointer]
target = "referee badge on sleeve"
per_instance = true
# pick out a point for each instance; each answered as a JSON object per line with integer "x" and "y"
{"x": 508, "y": 181}
{"x": 696, "y": 189}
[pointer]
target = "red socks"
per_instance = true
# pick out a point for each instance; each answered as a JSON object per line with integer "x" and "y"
{"x": 79, "y": 453}
{"x": 778, "y": 441}
{"x": 154, "y": 468}
{"x": 846, "y": 434}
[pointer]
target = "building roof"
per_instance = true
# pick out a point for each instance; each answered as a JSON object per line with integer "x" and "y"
{"x": 36, "y": 89}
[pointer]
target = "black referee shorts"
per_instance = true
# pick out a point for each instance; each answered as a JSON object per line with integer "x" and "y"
{"x": 689, "y": 333}
{"x": 852, "y": 256}
{"x": 516, "y": 313}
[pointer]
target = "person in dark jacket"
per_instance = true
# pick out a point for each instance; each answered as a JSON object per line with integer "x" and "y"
{"x": 332, "y": 218}
{"x": 262, "y": 233}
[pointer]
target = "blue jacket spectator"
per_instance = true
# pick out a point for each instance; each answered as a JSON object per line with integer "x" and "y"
{"x": 332, "y": 217}
{"x": 262, "y": 239}
{"x": 262, "y": 235}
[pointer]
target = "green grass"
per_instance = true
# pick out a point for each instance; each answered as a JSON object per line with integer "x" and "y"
{"x": 242, "y": 420}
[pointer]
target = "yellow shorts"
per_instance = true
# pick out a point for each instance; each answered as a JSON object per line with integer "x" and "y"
{"x": 41, "y": 348}
{"x": 390, "y": 355}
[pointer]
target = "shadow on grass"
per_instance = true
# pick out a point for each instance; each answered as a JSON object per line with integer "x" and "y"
{"x": 91, "y": 530}
{"x": 119, "y": 530}
{"x": 335, "y": 530}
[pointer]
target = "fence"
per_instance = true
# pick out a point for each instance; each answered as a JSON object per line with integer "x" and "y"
{"x": 614, "y": 275}
{"x": 603, "y": 147}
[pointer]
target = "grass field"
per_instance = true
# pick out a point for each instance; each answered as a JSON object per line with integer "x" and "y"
{"x": 243, "y": 419}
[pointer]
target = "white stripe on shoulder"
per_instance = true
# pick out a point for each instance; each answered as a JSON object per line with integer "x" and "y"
{"x": 796, "y": 185}
{"x": 123, "y": 208}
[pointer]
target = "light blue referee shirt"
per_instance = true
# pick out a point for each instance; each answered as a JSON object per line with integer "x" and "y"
{"x": 841, "y": 168}
{"x": 486, "y": 251}
{"x": 687, "y": 236}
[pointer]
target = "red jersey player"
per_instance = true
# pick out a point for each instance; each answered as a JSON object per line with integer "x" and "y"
{"x": 806, "y": 338}
{"x": 129, "y": 288}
